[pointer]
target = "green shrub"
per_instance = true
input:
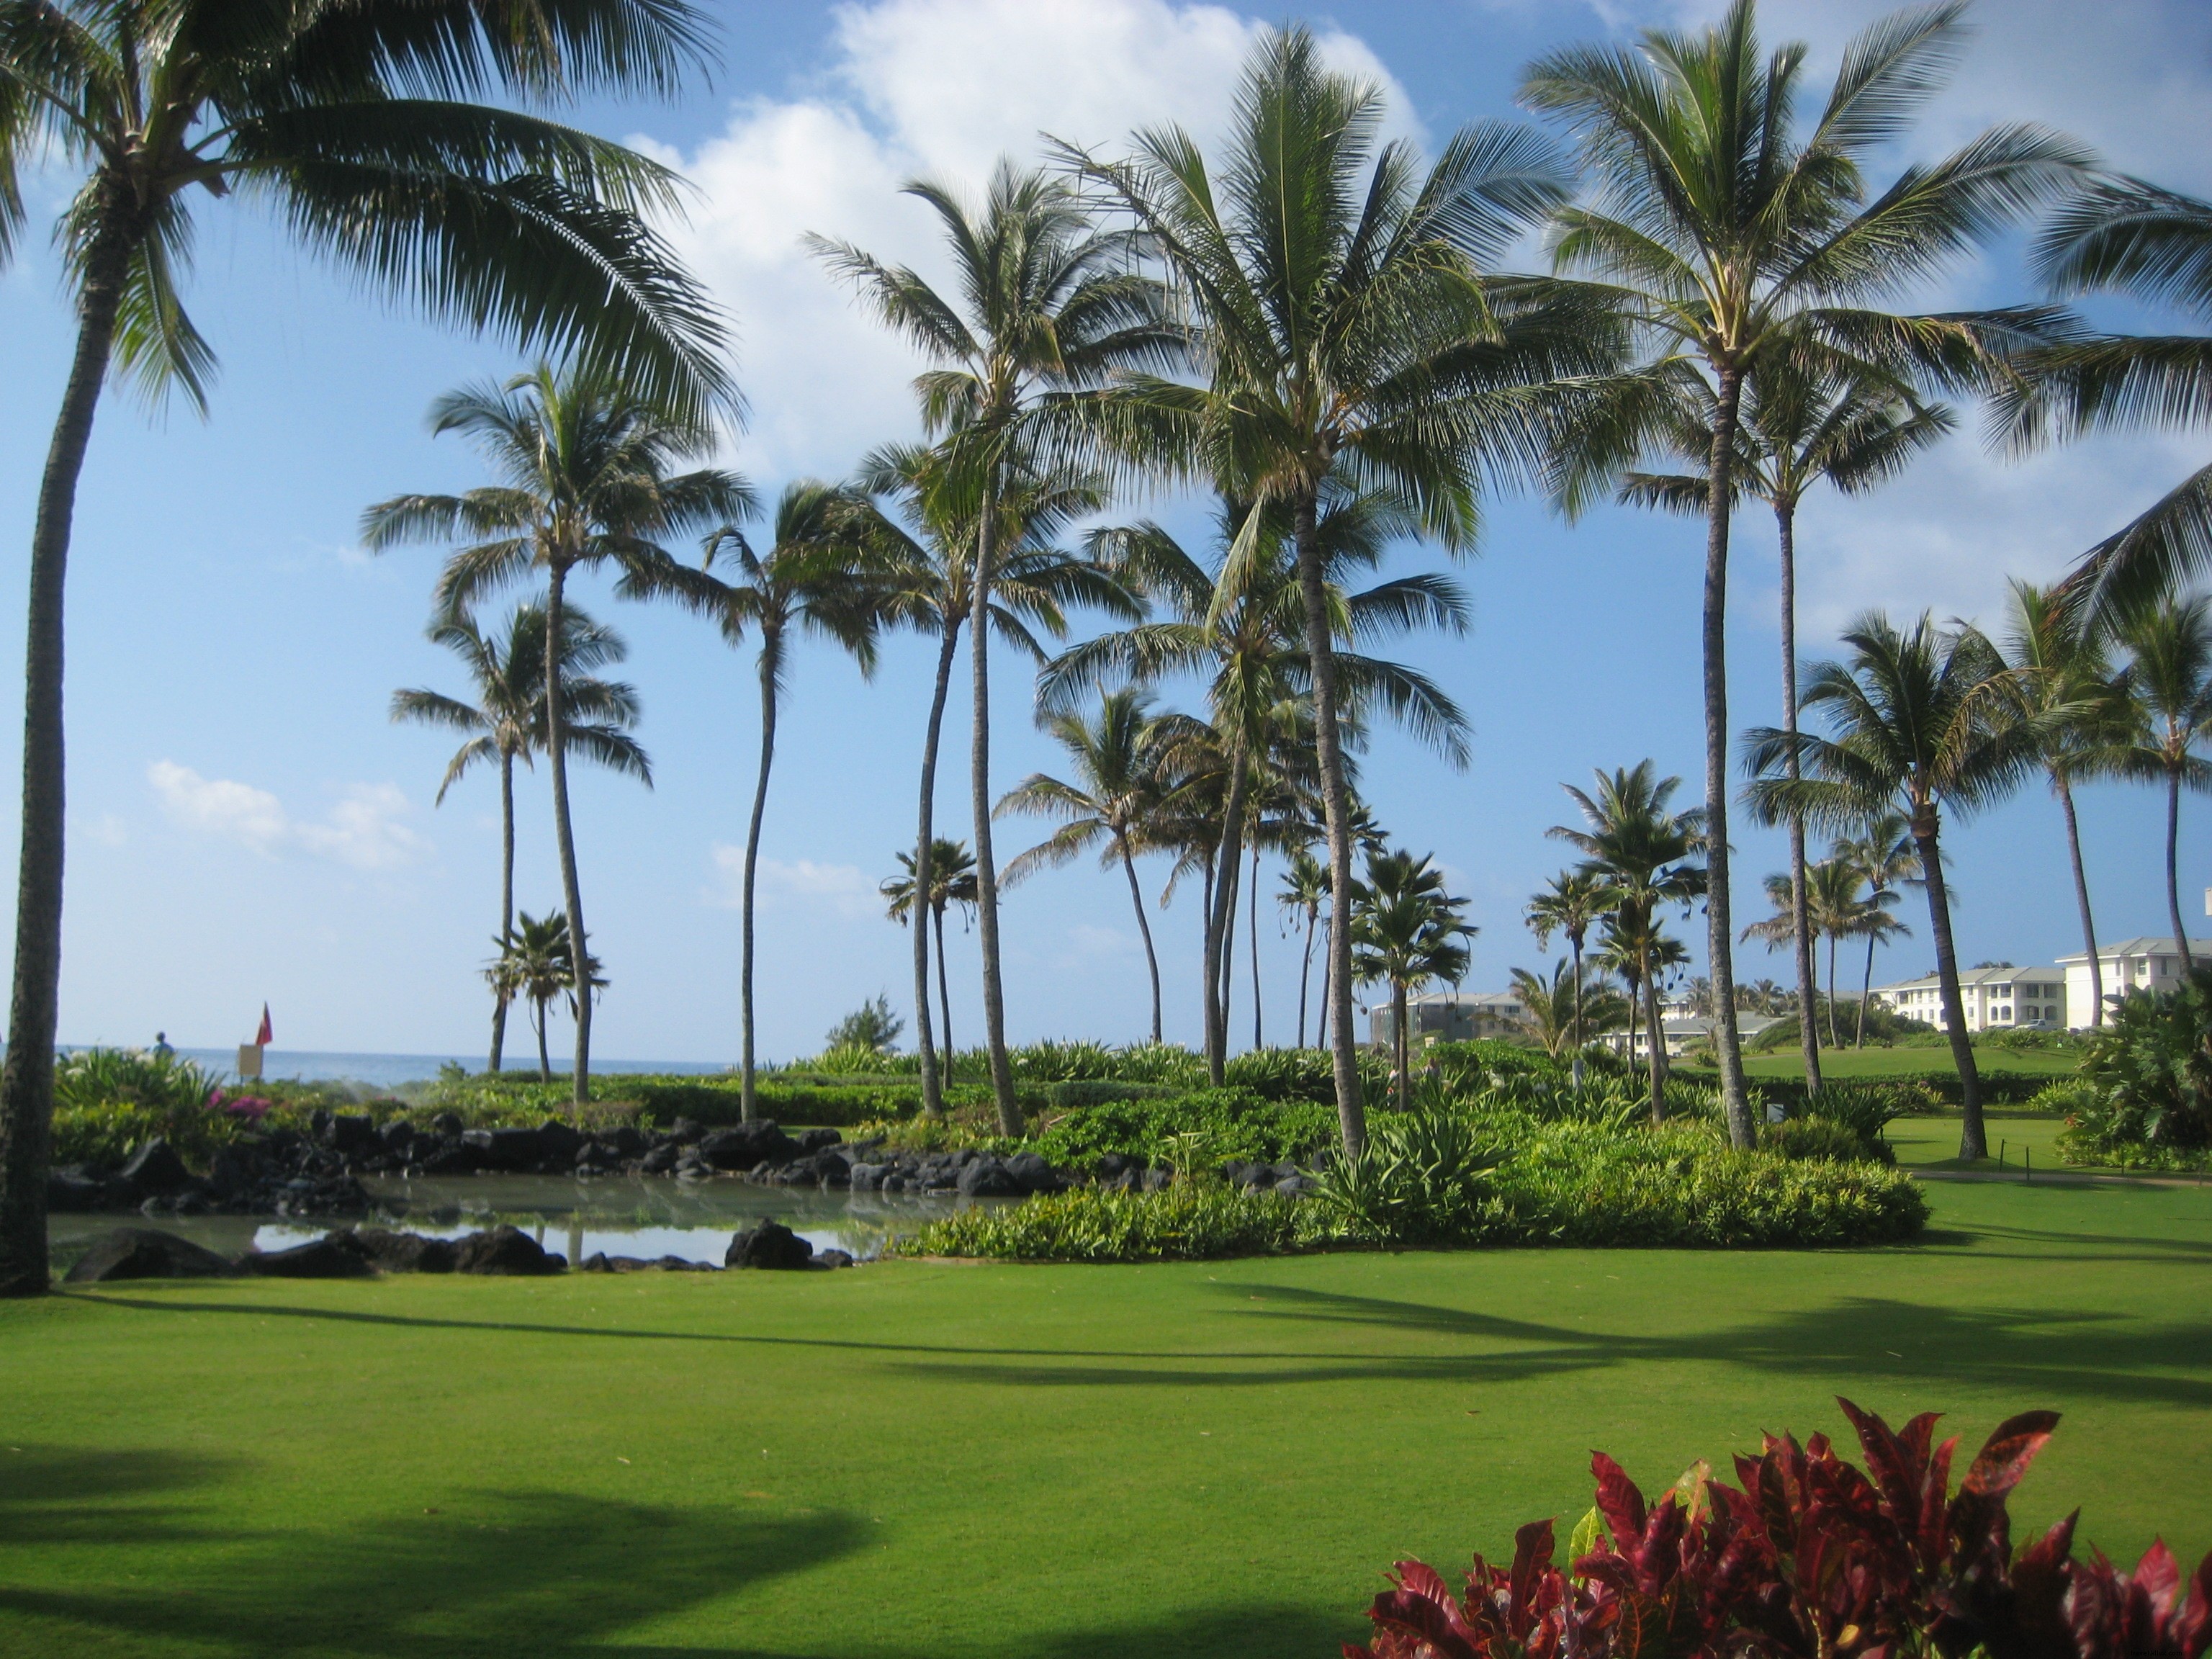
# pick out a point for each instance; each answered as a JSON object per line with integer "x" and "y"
{"x": 1421, "y": 1179}
{"x": 1284, "y": 1073}
{"x": 1235, "y": 1123}
{"x": 1815, "y": 1137}
{"x": 1100, "y": 1091}
{"x": 1194, "y": 1221}
{"x": 2150, "y": 1067}
{"x": 131, "y": 1077}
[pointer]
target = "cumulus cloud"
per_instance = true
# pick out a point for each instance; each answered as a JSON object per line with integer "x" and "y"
{"x": 936, "y": 89}
{"x": 366, "y": 829}
{"x": 843, "y": 889}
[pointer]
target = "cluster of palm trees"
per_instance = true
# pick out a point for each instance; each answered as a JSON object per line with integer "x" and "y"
{"x": 1309, "y": 323}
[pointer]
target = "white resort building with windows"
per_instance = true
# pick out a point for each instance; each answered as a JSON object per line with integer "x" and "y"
{"x": 2057, "y": 997}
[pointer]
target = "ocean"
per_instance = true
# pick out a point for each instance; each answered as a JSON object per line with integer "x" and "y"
{"x": 390, "y": 1071}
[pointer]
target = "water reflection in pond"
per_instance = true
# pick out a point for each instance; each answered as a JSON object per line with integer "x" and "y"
{"x": 644, "y": 1216}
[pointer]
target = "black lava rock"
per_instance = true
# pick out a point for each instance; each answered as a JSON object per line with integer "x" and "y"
{"x": 507, "y": 1250}
{"x": 407, "y": 1253}
{"x": 770, "y": 1244}
{"x": 336, "y": 1255}
{"x": 746, "y": 1145}
{"x": 72, "y": 1189}
{"x": 987, "y": 1178}
{"x": 814, "y": 1140}
{"x": 146, "y": 1253}
{"x": 155, "y": 1171}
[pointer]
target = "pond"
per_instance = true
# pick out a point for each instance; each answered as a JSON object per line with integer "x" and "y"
{"x": 644, "y": 1216}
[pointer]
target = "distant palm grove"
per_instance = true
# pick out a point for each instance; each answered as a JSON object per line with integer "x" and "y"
{"x": 1320, "y": 332}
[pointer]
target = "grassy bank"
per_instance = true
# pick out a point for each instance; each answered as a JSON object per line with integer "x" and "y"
{"x": 914, "y": 1459}
{"x": 1841, "y": 1063}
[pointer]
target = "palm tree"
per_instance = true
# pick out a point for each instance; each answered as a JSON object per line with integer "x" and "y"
{"x": 1342, "y": 328}
{"x": 2122, "y": 235}
{"x": 1571, "y": 905}
{"x": 1883, "y": 852}
{"x": 952, "y": 881}
{"x": 2169, "y": 679}
{"x": 506, "y": 723}
{"x": 924, "y": 581}
{"x": 2065, "y": 689}
{"x": 1562, "y": 1008}
{"x": 585, "y": 464}
{"x": 1407, "y": 931}
{"x": 1121, "y": 778}
{"x": 814, "y": 578}
{"x": 1644, "y": 856}
{"x": 1921, "y": 726}
{"x": 1305, "y": 890}
{"x": 1250, "y": 646}
{"x": 1734, "y": 244}
{"x": 1051, "y": 303}
{"x": 536, "y": 962}
{"x": 1797, "y": 427}
{"x": 355, "y": 124}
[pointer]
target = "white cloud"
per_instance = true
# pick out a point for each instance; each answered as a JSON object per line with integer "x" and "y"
{"x": 365, "y": 829}
{"x": 938, "y": 88}
{"x": 843, "y": 889}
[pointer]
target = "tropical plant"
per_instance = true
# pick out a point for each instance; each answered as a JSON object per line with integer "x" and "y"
{"x": 952, "y": 881}
{"x": 507, "y": 723}
{"x": 1406, "y": 931}
{"x": 2168, "y": 679}
{"x": 1710, "y": 1569}
{"x": 1420, "y": 1180}
{"x": 1248, "y": 643}
{"x": 872, "y": 1028}
{"x": 1734, "y": 243}
{"x": 1120, "y": 779}
{"x": 1048, "y": 302}
{"x": 1921, "y": 727}
{"x": 2150, "y": 1070}
{"x": 2122, "y": 235}
{"x": 1564, "y": 1012}
{"x": 1305, "y": 890}
{"x": 1572, "y": 904}
{"x": 585, "y": 463}
{"x": 536, "y": 962}
{"x": 1343, "y": 328}
{"x": 1882, "y": 851}
{"x": 2063, "y": 683}
{"x": 1796, "y": 428}
{"x": 359, "y": 126}
{"x": 1647, "y": 858}
{"x": 925, "y": 583}
{"x": 815, "y": 578}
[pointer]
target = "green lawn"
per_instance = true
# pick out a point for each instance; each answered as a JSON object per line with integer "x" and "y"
{"x": 1074, "y": 1462}
{"x": 1906, "y": 1062}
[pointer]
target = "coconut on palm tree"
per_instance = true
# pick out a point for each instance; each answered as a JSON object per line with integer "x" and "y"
{"x": 1047, "y": 303}
{"x": 507, "y": 723}
{"x": 587, "y": 479}
{"x": 357, "y": 124}
{"x": 1734, "y": 241}
{"x": 1406, "y": 931}
{"x": 1341, "y": 326}
{"x": 1647, "y": 858}
{"x": 2168, "y": 679}
{"x": 813, "y": 578}
{"x": 1571, "y": 904}
{"x": 1250, "y": 646}
{"x": 952, "y": 881}
{"x": 1921, "y": 726}
{"x": 925, "y": 581}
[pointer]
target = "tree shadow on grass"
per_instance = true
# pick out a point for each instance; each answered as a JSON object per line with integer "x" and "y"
{"x": 72, "y": 1494}
{"x": 545, "y": 1575}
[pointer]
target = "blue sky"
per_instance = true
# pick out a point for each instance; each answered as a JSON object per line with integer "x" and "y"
{"x": 246, "y": 824}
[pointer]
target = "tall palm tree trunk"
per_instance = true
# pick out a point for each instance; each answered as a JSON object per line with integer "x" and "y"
{"x": 1400, "y": 1047}
{"x": 2081, "y": 903}
{"x": 505, "y": 901}
{"x": 1336, "y": 807}
{"x": 932, "y": 1087}
{"x": 572, "y": 892}
{"x": 1305, "y": 971}
{"x": 544, "y": 1056}
{"x": 1251, "y": 905}
{"x": 1221, "y": 916}
{"x": 2173, "y": 867}
{"x": 943, "y": 993}
{"x": 1973, "y": 1140}
{"x": 986, "y": 872}
{"x": 1575, "y": 950}
{"x": 1866, "y": 992}
{"x": 26, "y": 1083}
{"x": 1328, "y": 925}
{"x": 1833, "y": 1041}
{"x": 1720, "y": 932}
{"x": 1233, "y": 887}
{"x": 1145, "y": 927}
{"x": 1809, "y": 1039}
{"x": 748, "y": 1099}
{"x": 1655, "y": 1030}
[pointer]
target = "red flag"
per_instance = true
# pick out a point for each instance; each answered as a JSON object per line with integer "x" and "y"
{"x": 267, "y": 1034}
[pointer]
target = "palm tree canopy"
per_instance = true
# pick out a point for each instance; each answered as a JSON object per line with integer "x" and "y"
{"x": 2063, "y": 681}
{"x": 1632, "y": 843}
{"x": 1405, "y": 927}
{"x": 352, "y": 122}
{"x": 1554, "y": 1014}
{"x": 1124, "y": 774}
{"x": 2168, "y": 680}
{"x": 952, "y": 879}
{"x": 1570, "y": 903}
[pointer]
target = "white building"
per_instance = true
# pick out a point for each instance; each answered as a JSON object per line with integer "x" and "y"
{"x": 1451, "y": 1016}
{"x": 1683, "y": 1031}
{"x": 2133, "y": 964}
{"x": 1996, "y": 999}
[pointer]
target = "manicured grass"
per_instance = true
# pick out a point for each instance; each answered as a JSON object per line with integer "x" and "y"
{"x": 1908, "y": 1062}
{"x": 2029, "y": 1141}
{"x": 915, "y": 1459}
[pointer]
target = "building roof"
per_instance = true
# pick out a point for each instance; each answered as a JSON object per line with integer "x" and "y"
{"x": 1976, "y": 976}
{"x": 2143, "y": 946}
{"x": 1465, "y": 1000}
